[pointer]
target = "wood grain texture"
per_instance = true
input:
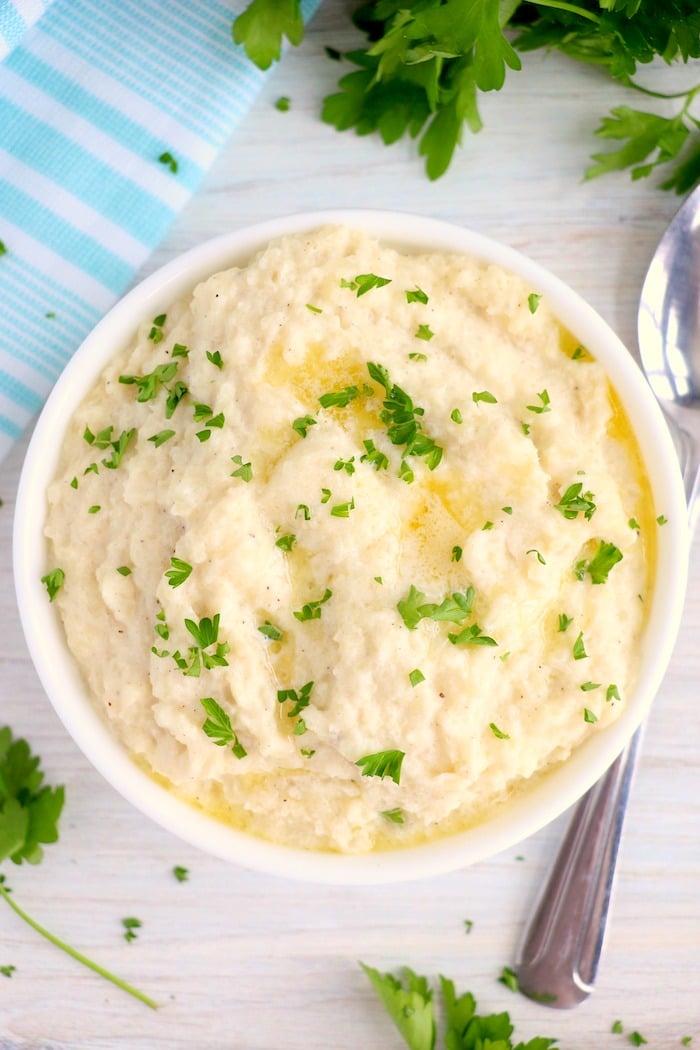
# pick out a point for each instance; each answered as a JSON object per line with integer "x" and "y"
{"x": 248, "y": 962}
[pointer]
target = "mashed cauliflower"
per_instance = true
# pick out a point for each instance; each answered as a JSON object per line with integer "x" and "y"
{"x": 350, "y": 543}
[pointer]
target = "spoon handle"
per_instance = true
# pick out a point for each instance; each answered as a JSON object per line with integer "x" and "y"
{"x": 560, "y": 951}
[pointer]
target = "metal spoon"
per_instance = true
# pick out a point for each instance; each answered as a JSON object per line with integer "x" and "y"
{"x": 561, "y": 947}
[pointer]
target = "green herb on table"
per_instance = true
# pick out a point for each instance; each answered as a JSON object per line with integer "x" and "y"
{"x": 7, "y": 971}
{"x": 169, "y": 161}
{"x": 509, "y": 979}
{"x": 382, "y": 764}
{"x": 180, "y": 873}
{"x": 130, "y": 926}
{"x": 283, "y": 104}
{"x": 365, "y": 282}
{"x": 178, "y": 572}
{"x": 617, "y": 1028}
{"x": 53, "y": 581}
{"x": 468, "y": 925}
{"x": 29, "y": 816}
{"x": 312, "y": 610}
{"x": 218, "y": 728}
{"x": 636, "y": 1039}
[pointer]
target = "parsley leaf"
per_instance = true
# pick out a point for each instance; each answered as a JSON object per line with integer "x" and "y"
{"x": 601, "y": 564}
{"x": 29, "y": 815}
{"x": 312, "y": 610}
{"x": 409, "y": 1003}
{"x": 365, "y": 282}
{"x": 574, "y": 502}
{"x": 382, "y": 764}
{"x": 218, "y": 728}
{"x": 403, "y": 421}
{"x": 178, "y": 572}
{"x": 261, "y": 27}
{"x": 53, "y": 581}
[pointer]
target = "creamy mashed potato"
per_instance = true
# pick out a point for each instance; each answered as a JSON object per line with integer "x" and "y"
{"x": 352, "y": 542}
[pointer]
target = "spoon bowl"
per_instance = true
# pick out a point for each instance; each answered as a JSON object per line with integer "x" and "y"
{"x": 668, "y": 326}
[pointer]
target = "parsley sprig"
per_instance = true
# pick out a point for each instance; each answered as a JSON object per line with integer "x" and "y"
{"x": 29, "y": 816}
{"x": 403, "y": 420}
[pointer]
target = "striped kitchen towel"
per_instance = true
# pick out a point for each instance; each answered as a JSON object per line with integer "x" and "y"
{"x": 110, "y": 115}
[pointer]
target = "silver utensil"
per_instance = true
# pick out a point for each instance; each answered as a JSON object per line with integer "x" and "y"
{"x": 561, "y": 947}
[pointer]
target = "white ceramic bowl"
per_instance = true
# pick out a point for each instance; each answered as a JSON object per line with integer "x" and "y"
{"x": 534, "y": 808}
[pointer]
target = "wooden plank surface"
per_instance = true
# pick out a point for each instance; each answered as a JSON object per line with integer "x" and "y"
{"x": 249, "y": 962}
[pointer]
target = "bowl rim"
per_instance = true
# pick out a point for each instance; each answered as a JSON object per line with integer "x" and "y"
{"x": 543, "y": 800}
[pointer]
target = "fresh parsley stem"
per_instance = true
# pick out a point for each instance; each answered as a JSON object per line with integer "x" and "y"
{"x": 573, "y": 8}
{"x": 689, "y": 95}
{"x": 78, "y": 956}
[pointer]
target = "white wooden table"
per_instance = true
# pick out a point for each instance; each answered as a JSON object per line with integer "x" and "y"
{"x": 239, "y": 960}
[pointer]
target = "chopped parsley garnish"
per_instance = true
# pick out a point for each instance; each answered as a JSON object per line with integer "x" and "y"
{"x": 487, "y": 526}
{"x": 175, "y": 395}
{"x": 179, "y": 350}
{"x": 7, "y": 970}
{"x": 498, "y": 733}
{"x": 3, "y": 249}
{"x": 170, "y": 162}
{"x": 484, "y": 395}
{"x": 402, "y": 419}
{"x": 302, "y": 424}
{"x": 544, "y": 405}
{"x": 454, "y": 608}
{"x": 285, "y": 543}
{"x": 468, "y": 925}
{"x": 600, "y": 565}
{"x": 283, "y": 104}
{"x": 147, "y": 386}
{"x": 130, "y": 926}
{"x": 244, "y": 471}
{"x": 507, "y": 510}
{"x": 342, "y": 398}
{"x": 525, "y": 427}
{"x": 161, "y": 437}
{"x": 94, "y": 509}
{"x": 634, "y": 524}
{"x": 565, "y": 621}
{"x": 415, "y": 677}
{"x": 300, "y": 701}
{"x": 53, "y": 581}
{"x": 533, "y": 550}
{"x": 574, "y": 502}
{"x": 270, "y": 631}
{"x": 395, "y": 816}
{"x": 218, "y": 728}
{"x": 180, "y": 873}
{"x": 206, "y": 636}
{"x": 416, "y": 296}
{"x": 307, "y": 752}
{"x": 424, "y": 331}
{"x": 312, "y": 610}
{"x": 636, "y": 1039}
{"x": 102, "y": 439}
{"x": 612, "y": 693}
{"x": 456, "y": 415}
{"x": 417, "y": 357}
{"x": 579, "y": 649}
{"x": 314, "y": 309}
{"x": 456, "y": 554}
{"x": 578, "y": 354}
{"x": 342, "y": 510}
{"x": 617, "y": 1028}
{"x": 588, "y": 687}
{"x": 382, "y": 764}
{"x": 661, "y": 520}
{"x": 178, "y": 572}
{"x": 304, "y": 511}
{"x": 325, "y": 495}
{"x": 348, "y": 465}
{"x": 215, "y": 358}
{"x": 472, "y": 635}
{"x": 533, "y": 301}
{"x": 124, "y": 570}
{"x": 373, "y": 455}
{"x": 364, "y": 282}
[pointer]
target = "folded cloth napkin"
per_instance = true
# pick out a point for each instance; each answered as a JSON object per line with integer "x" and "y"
{"x": 110, "y": 115}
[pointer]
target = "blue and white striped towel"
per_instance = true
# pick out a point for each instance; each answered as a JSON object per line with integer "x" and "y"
{"x": 92, "y": 94}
